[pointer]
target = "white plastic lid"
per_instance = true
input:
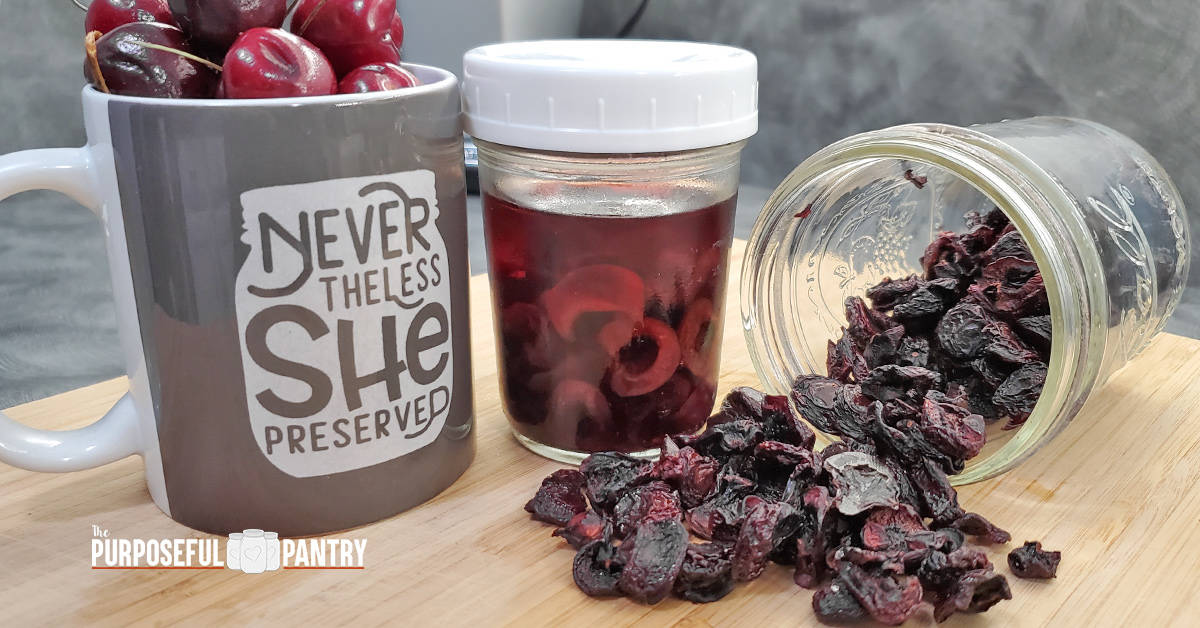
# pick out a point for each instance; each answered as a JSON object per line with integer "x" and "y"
{"x": 610, "y": 95}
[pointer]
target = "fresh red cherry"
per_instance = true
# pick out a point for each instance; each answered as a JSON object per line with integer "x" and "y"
{"x": 105, "y": 15}
{"x": 376, "y": 77}
{"x": 215, "y": 24}
{"x": 273, "y": 63}
{"x": 352, "y": 33}
{"x": 397, "y": 31}
{"x": 147, "y": 59}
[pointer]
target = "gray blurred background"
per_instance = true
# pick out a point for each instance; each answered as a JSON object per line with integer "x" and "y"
{"x": 828, "y": 69}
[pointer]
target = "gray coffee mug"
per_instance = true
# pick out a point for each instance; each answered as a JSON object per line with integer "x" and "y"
{"x": 290, "y": 277}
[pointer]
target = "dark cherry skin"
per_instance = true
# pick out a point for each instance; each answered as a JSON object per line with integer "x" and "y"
{"x": 273, "y": 63}
{"x": 376, "y": 77}
{"x": 105, "y": 15}
{"x": 130, "y": 69}
{"x": 215, "y": 24}
{"x": 351, "y": 33}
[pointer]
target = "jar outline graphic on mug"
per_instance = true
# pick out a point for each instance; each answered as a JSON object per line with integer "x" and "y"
{"x": 233, "y": 551}
{"x": 253, "y": 551}
{"x": 273, "y": 549}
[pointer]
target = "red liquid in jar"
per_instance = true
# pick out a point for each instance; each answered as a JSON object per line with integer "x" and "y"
{"x": 609, "y": 327}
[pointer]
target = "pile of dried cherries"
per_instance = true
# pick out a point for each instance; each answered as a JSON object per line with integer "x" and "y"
{"x": 871, "y": 521}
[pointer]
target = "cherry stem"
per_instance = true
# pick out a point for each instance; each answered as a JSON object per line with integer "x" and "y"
{"x": 89, "y": 48}
{"x": 307, "y": 21}
{"x": 185, "y": 55}
{"x": 82, "y": 6}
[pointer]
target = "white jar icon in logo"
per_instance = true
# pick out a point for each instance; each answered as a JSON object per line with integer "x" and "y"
{"x": 273, "y": 548}
{"x": 233, "y": 551}
{"x": 254, "y": 551}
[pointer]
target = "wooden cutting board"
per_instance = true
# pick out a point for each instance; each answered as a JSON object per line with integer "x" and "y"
{"x": 1116, "y": 492}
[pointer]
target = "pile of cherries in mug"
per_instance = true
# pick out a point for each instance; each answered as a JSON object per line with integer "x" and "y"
{"x": 240, "y": 48}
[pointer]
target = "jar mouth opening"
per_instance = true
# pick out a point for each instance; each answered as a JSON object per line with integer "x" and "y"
{"x": 931, "y": 169}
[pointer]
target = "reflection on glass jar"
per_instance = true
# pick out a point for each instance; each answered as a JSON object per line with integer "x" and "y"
{"x": 1104, "y": 223}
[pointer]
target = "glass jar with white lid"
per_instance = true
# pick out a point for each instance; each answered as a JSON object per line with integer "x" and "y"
{"x": 609, "y": 176}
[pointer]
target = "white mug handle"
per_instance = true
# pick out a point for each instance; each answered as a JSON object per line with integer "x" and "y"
{"x": 115, "y": 435}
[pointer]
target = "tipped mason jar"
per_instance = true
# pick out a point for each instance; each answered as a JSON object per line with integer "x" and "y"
{"x": 1103, "y": 221}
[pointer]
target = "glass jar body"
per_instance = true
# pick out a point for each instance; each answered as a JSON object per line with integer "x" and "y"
{"x": 608, "y": 279}
{"x": 1104, "y": 223}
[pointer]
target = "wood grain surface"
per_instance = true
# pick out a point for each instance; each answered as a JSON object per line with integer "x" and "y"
{"x": 1116, "y": 492}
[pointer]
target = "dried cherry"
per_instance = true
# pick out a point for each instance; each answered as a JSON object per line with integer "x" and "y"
{"x": 960, "y": 332}
{"x": 597, "y": 569}
{"x": 927, "y": 302}
{"x": 974, "y": 592}
{"x": 785, "y": 457}
{"x": 742, "y": 402}
{"x": 1031, "y": 561}
{"x": 861, "y": 482}
{"x": 719, "y": 518}
{"x": 649, "y": 502}
{"x": 976, "y": 525}
{"x": 875, "y": 510}
{"x": 1036, "y": 330}
{"x": 844, "y": 362}
{"x": 886, "y": 293}
{"x": 881, "y": 349}
{"x": 653, "y": 558}
{"x": 724, "y": 439}
{"x": 692, "y": 474}
{"x": 706, "y": 574}
{"x": 584, "y": 528}
{"x": 913, "y": 351}
{"x": 759, "y": 537}
{"x": 835, "y": 605}
{"x": 891, "y": 381}
{"x": 559, "y": 498}
{"x": 889, "y": 598}
{"x": 889, "y": 527}
{"x": 608, "y": 475}
{"x": 953, "y": 429}
{"x": 1018, "y": 394}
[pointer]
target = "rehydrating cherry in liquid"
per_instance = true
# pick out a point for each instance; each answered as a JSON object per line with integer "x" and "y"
{"x": 609, "y": 327}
